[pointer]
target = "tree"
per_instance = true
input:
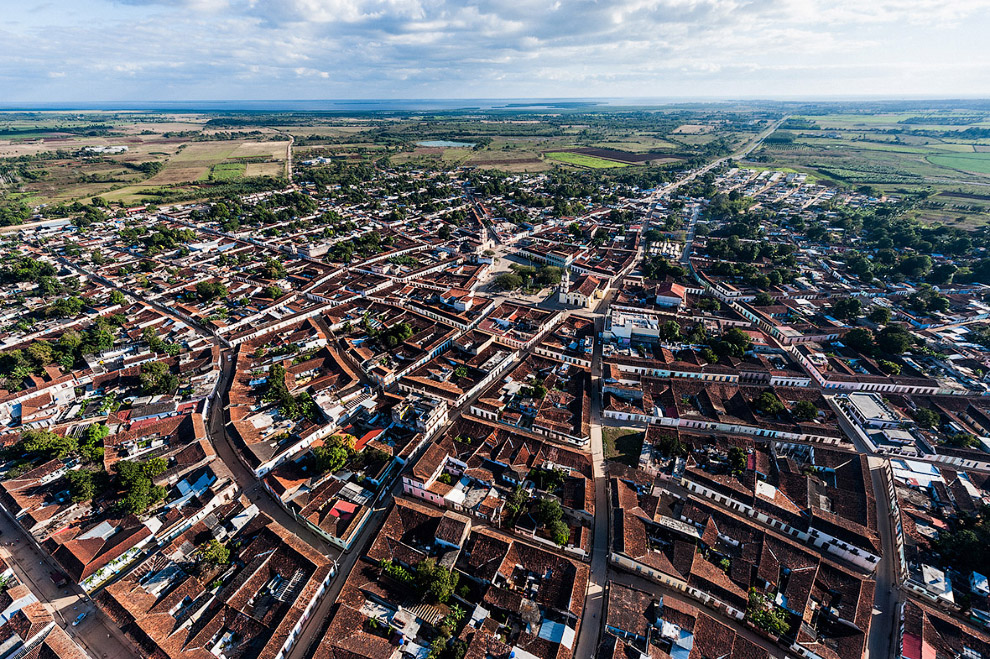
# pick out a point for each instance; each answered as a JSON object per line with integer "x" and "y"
{"x": 549, "y": 275}
{"x": 805, "y": 410}
{"x": 889, "y": 367}
{"x": 155, "y": 467}
{"x": 40, "y": 352}
{"x": 140, "y": 491}
{"x": 939, "y": 304}
{"x": 927, "y": 418}
{"x": 330, "y": 458}
{"x": 942, "y": 274}
{"x": 860, "y": 266}
{"x": 847, "y": 308}
{"x": 547, "y": 511}
{"x": 273, "y": 269}
{"x": 214, "y": 552}
{"x": 879, "y": 315}
{"x": 894, "y": 339}
{"x": 208, "y": 291}
{"x": 92, "y": 444}
{"x": 670, "y": 331}
{"x": 82, "y": 484}
{"x": 436, "y": 582}
{"x": 670, "y": 447}
{"x": 708, "y": 304}
{"x": 860, "y": 339}
{"x": 69, "y": 341}
{"x": 559, "y": 532}
{"x": 273, "y": 292}
{"x": 915, "y": 267}
{"x": 48, "y": 444}
{"x": 116, "y": 297}
{"x": 762, "y": 299}
{"x": 765, "y": 615}
{"x": 768, "y": 403}
{"x": 961, "y": 440}
{"x": 66, "y": 307}
{"x": 508, "y": 281}
{"x": 734, "y": 342}
{"x": 652, "y": 236}
{"x": 737, "y": 460}
{"x": 157, "y": 378}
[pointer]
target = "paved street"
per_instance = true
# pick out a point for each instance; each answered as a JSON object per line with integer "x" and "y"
{"x": 33, "y": 568}
{"x": 887, "y": 600}
{"x": 248, "y": 482}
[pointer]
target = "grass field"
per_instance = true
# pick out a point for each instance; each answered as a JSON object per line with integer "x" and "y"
{"x": 582, "y": 160}
{"x": 623, "y": 444}
{"x": 227, "y": 171}
{"x": 966, "y": 162}
{"x": 265, "y": 169}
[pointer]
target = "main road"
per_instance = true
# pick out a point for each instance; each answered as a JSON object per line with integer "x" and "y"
{"x": 744, "y": 151}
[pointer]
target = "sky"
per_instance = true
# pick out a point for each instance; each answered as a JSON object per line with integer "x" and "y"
{"x": 178, "y": 50}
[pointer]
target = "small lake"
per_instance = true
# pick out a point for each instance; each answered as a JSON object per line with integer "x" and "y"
{"x": 446, "y": 143}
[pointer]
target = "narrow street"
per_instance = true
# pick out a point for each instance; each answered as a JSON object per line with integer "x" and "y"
{"x": 888, "y": 596}
{"x": 33, "y": 568}
{"x": 594, "y": 603}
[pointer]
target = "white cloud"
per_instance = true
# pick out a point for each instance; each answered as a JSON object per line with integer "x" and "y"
{"x": 494, "y": 48}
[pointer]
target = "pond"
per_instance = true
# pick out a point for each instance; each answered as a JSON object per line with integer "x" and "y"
{"x": 446, "y": 143}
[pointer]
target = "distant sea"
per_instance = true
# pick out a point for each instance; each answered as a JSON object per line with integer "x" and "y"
{"x": 366, "y": 105}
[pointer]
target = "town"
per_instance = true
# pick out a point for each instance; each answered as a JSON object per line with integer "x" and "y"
{"x": 407, "y": 408}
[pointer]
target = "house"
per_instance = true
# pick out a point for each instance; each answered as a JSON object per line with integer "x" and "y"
{"x": 670, "y": 295}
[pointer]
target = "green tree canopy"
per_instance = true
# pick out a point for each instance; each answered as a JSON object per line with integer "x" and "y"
{"x": 436, "y": 582}
{"x": 805, "y": 410}
{"x": 214, "y": 552}
{"x": 157, "y": 378}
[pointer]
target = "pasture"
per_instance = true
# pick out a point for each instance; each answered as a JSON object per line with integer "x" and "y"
{"x": 582, "y": 160}
{"x": 227, "y": 171}
{"x": 964, "y": 162}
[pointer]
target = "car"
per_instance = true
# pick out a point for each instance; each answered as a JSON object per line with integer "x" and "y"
{"x": 79, "y": 618}
{"x": 58, "y": 578}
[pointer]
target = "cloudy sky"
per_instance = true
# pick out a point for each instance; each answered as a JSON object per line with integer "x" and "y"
{"x": 172, "y": 50}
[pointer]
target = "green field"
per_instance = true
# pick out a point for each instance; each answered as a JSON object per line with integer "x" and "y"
{"x": 227, "y": 171}
{"x": 970, "y": 162}
{"x": 582, "y": 160}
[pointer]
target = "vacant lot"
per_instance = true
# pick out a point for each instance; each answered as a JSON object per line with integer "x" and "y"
{"x": 691, "y": 129}
{"x": 275, "y": 169}
{"x": 623, "y": 444}
{"x": 273, "y": 150}
{"x": 581, "y": 160}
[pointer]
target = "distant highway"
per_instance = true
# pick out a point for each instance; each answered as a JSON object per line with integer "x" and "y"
{"x": 744, "y": 151}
